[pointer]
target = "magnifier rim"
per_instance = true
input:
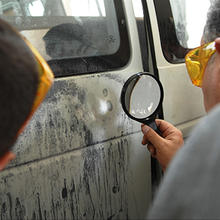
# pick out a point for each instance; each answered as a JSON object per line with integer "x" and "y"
{"x": 124, "y": 89}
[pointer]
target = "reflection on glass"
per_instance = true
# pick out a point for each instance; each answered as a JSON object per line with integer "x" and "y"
{"x": 10, "y": 8}
{"x": 64, "y": 29}
{"x": 148, "y": 87}
{"x": 189, "y": 18}
{"x": 36, "y": 8}
{"x": 53, "y": 7}
{"x": 84, "y": 7}
{"x": 138, "y": 8}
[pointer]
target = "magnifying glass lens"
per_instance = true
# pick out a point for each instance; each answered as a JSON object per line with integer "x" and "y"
{"x": 142, "y": 96}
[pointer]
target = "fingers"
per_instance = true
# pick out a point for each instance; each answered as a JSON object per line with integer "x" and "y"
{"x": 152, "y": 150}
{"x": 164, "y": 125}
{"x": 167, "y": 129}
{"x": 151, "y": 136}
{"x": 162, "y": 148}
{"x": 144, "y": 129}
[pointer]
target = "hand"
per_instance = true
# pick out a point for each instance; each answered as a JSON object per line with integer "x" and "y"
{"x": 162, "y": 148}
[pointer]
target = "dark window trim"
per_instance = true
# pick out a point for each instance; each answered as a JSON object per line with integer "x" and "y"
{"x": 156, "y": 171}
{"x": 169, "y": 41}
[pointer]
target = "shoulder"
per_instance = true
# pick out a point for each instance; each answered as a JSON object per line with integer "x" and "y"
{"x": 206, "y": 133}
{"x": 203, "y": 142}
{"x": 190, "y": 185}
{"x": 209, "y": 123}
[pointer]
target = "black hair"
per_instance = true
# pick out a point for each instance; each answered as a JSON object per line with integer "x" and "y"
{"x": 18, "y": 84}
{"x": 212, "y": 27}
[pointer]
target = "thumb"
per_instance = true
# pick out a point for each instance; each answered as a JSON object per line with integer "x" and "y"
{"x": 150, "y": 136}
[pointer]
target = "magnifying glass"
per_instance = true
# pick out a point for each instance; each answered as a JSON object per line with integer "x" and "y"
{"x": 141, "y": 98}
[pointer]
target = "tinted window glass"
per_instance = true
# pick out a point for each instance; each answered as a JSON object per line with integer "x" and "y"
{"x": 73, "y": 36}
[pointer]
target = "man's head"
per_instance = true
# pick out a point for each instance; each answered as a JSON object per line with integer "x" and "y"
{"x": 211, "y": 78}
{"x": 212, "y": 27}
{"x": 19, "y": 84}
{"x": 203, "y": 63}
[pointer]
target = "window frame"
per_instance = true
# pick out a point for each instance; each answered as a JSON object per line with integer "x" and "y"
{"x": 164, "y": 15}
{"x": 93, "y": 64}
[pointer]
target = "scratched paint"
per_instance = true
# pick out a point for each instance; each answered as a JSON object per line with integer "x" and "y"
{"x": 79, "y": 158}
{"x": 75, "y": 115}
{"x": 93, "y": 183}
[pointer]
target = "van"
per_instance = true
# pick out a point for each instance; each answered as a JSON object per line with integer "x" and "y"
{"x": 81, "y": 157}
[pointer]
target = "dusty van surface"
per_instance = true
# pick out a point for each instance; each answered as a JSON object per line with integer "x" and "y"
{"x": 81, "y": 156}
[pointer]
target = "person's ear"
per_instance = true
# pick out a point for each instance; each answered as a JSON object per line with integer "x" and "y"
{"x": 5, "y": 159}
{"x": 217, "y": 44}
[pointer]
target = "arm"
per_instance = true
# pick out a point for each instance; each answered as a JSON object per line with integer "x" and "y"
{"x": 190, "y": 187}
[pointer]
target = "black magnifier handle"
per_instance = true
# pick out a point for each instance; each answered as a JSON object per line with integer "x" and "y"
{"x": 153, "y": 125}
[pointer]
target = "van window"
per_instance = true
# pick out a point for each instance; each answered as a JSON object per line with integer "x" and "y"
{"x": 181, "y": 26}
{"x": 138, "y": 8}
{"x": 189, "y": 23}
{"x": 75, "y": 37}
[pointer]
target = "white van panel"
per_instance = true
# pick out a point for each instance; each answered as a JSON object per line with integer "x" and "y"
{"x": 183, "y": 102}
